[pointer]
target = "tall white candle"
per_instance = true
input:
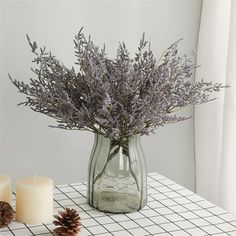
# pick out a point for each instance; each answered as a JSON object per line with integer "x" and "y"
{"x": 34, "y": 200}
{"x": 5, "y": 188}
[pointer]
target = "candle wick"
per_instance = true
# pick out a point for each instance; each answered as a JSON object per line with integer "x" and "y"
{"x": 35, "y": 176}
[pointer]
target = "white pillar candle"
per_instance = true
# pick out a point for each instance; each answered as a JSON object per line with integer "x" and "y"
{"x": 34, "y": 200}
{"x": 5, "y": 188}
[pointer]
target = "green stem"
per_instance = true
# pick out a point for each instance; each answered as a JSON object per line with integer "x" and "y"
{"x": 126, "y": 152}
{"x": 131, "y": 171}
{"x": 107, "y": 161}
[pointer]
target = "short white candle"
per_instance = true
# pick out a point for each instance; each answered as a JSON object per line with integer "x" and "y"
{"x": 5, "y": 188}
{"x": 34, "y": 200}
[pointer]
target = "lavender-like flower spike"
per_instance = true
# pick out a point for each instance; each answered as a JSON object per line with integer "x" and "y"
{"x": 116, "y": 98}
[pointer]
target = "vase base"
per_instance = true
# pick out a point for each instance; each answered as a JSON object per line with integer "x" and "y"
{"x": 117, "y": 202}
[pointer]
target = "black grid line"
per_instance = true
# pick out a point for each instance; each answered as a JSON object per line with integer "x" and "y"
{"x": 187, "y": 218}
{"x": 171, "y": 210}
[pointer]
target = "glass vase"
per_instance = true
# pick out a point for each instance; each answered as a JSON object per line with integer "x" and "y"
{"x": 117, "y": 176}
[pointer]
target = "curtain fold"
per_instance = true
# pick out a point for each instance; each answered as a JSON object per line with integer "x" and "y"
{"x": 227, "y": 176}
{"x": 215, "y": 122}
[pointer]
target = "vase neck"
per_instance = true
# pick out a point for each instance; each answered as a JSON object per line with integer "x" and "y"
{"x": 121, "y": 141}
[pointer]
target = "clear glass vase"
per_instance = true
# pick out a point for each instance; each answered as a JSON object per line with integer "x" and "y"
{"x": 117, "y": 176}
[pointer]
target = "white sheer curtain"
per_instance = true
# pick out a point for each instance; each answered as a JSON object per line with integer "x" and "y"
{"x": 215, "y": 122}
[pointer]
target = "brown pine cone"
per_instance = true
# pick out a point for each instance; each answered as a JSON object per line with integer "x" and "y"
{"x": 6, "y": 214}
{"x": 68, "y": 222}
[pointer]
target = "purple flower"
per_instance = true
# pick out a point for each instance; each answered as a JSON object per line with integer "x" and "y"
{"x": 116, "y": 98}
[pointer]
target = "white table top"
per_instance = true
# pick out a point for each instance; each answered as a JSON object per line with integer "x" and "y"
{"x": 171, "y": 210}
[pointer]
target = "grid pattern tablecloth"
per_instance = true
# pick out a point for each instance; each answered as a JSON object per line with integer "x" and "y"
{"x": 171, "y": 210}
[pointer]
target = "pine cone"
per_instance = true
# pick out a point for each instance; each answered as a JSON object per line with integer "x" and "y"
{"x": 6, "y": 214}
{"x": 68, "y": 221}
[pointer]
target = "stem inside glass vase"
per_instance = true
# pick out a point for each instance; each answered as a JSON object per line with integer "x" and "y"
{"x": 117, "y": 176}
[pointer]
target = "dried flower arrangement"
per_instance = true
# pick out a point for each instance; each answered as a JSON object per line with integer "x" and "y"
{"x": 116, "y": 98}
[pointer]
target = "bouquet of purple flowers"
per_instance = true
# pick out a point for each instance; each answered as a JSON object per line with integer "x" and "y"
{"x": 117, "y": 97}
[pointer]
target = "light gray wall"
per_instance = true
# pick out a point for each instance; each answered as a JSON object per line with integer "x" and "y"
{"x": 27, "y": 144}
